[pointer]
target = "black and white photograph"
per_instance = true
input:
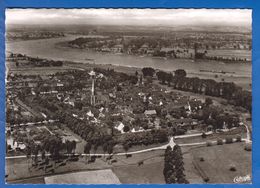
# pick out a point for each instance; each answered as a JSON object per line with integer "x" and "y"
{"x": 128, "y": 96}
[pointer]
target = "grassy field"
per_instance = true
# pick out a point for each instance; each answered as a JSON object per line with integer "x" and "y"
{"x": 129, "y": 172}
{"x": 146, "y": 174}
{"x": 218, "y": 160}
{"x": 86, "y": 177}
{"x": 18, "y": 171}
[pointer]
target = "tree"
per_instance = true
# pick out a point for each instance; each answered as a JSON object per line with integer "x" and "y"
{"x": 162, "y": 76}
{"x": 35, "y": 153}
{"x": 110, "y": 148}
{"x": 126, "y": 128}
{"x": 73, "y": 145}
{"x": 95, "y": 147}
{"x": 126, "y": 146}
{"x": 169, "y": 78}
{"x": 179, "y": 165}
{"x": 168, "y": 171}
{"x": 148, "y": 71}
{"x": 87, "y": 148}
{"x": 180, "y": 73}
{"x": 133, "y": 79}
{"x": 43, "y": 154}
{"x": 105, "y": 147}
{"x": 110, "y": 124}
{"x": 68, "y": 146}
{"x": 208, "y": 101}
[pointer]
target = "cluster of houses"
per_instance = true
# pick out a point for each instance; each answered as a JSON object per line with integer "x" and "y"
{"x": 167, "y": 47}
{"x": 138, "y": 107}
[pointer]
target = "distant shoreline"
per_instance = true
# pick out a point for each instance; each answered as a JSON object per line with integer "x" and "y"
{"x": 64, "y": 45}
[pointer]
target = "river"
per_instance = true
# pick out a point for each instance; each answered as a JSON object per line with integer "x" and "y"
{"x": 47, "y": 48}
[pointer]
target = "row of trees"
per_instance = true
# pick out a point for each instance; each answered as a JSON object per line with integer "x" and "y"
{"x": 52, "y": 145}
{"x": 215, "y": 116}
{"x": 174, "y": 166}
{"x": 146, "y": 137}
{"x": 227, "y": 90}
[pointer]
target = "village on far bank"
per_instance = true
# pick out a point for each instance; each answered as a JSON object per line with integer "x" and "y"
{"x": 60, "y": 113}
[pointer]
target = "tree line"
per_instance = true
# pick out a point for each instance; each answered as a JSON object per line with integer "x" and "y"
{"x": 227, "y": 90}
{"x": 52, "y": 145}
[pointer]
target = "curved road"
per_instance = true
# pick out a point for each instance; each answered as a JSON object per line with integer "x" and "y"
{"x": 171, "y": 143}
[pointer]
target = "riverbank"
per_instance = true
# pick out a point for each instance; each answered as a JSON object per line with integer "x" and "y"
{"x": 240, "y": 80}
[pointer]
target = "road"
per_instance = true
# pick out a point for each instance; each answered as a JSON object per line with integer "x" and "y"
{"x": 248, "y": 137}
{"x": 170, "y": 143}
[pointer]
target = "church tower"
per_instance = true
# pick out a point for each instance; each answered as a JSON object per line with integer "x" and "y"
{"x": 92, "y": 97}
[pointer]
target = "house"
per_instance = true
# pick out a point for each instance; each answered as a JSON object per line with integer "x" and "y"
{"x": 32, "y": 84}
{"x": 150, "y": 51}
{"x": 143, "y": 48}
{"x": 105, "y": 49}
{"x": 167, "y": 50}
{"x": 187, "y": 123}
{"x": 120, "y": 127}
{"x": 60, "y": 85}
{"x": 90, "y": 114}
{"x": 117, "y": 48}
{"x": 150, "y": 112}
{"x": 137, "y": 129}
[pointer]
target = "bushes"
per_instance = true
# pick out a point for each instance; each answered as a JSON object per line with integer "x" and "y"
{"x": 203, "y": 135}
{"x": 206, "y": 179}
{"x": 248, "y": 147}
{"x": 232, "y": 168}
{"x": 219, "y": 142}
{"x": 209, "y": 143}
{"x": 238, "y": 138}
{"x": 229, "y": 140}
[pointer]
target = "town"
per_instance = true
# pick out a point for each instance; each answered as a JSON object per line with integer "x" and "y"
{"x": 96, "y": 112}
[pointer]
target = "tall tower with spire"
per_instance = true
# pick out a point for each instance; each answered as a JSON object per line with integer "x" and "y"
{"x": 92, "y": 97}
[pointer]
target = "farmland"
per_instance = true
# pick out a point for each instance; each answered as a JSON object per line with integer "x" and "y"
{"x": 218, "y": 160}
{"x": 87, "y": 177}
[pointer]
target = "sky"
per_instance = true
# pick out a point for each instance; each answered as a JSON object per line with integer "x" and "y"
{"x": 142, "y": 17}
